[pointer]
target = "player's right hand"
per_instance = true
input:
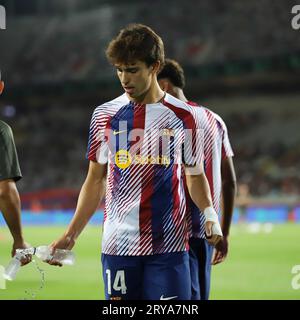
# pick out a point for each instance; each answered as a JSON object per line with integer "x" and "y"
{"x": 64, "y": 242}
{"x": 213, "y": 232}
{"x": 21, "y": 245}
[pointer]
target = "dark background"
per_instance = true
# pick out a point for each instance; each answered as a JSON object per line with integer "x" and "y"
{"x": 242, "y": 60}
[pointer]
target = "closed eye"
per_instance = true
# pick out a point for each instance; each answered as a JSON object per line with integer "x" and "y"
{"x": 129, "y": 70}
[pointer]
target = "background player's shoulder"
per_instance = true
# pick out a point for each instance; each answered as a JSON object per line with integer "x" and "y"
{"x": 177, "y": 103}
{"x": 198, "y": 110}
{"x": 217, "y": 117}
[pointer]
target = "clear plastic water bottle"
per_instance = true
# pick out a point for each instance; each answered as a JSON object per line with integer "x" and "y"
{"x": 12, "y": 268}
{"x": 15, "y": 263}
{"x": 65, "y": 257}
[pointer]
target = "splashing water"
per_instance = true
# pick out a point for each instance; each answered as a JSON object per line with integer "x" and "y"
{"x": 31, "y": 295}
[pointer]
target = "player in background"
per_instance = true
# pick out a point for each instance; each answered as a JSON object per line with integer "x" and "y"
{"x": 145, "y": 234}
{"x": 220, "y": 173}
{"x": 10, "y": 204}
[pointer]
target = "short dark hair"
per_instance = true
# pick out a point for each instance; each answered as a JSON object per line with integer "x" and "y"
{"x": 136, "y": 42}
{"x": 173, "y": 71}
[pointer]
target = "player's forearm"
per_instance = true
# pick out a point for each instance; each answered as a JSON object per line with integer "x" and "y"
{"x": 228, "y": 194}
{"x": 10, "y": 206}
{"x": 229, "y": 189}
{"x": 199, "y": 191}
{"x": 90, "y": 195}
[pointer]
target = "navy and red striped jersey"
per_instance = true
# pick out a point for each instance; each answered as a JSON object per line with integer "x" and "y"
{"x": 145, "y": 147}
{"x": 216, "y": 147}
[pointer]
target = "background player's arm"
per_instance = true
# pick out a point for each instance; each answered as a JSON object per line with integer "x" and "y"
{"x": 199, "y": 191}
{"x": 228, "y": 195}
{"x": 90, "y": 195}
{"x": 229, "y": 189}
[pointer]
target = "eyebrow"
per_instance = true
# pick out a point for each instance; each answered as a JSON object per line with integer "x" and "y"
{"x": 127, "y": 68}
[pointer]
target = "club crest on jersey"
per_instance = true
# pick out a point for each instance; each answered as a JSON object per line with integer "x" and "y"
{"x": 168, "y": 132}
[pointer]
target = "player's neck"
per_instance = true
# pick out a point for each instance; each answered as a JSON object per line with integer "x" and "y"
{"x": 153, "y": 95}
{"x": 178, "y": 93}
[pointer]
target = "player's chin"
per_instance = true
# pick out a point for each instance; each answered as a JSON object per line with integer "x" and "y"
{"x": 132, "y": 95}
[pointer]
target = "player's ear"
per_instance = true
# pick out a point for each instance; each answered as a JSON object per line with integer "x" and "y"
{"x": 1, "y": 86}
{"x": 155, "y": 67}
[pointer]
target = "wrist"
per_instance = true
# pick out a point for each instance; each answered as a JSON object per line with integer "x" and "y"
{"x": 225, "y": 230}
{"x": 225, "y": 235}
{"x": 18, "y": 239}
{"x": 210, "y": 214}
{"x": 71, "y": 236}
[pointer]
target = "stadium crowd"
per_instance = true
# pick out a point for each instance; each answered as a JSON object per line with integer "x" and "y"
{"x": 52, "y": 139}
{"x": 57, "y": 48}
{"x": 51, "y": 135}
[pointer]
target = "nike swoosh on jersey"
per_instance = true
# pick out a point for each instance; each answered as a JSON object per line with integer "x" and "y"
{"x": 118, "y": 132}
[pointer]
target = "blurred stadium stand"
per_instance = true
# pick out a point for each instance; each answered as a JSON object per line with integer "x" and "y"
{"x": 223, "y": 37}
{"x": 241, "y": 60}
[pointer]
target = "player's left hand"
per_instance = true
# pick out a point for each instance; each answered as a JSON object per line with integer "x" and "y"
{"x": 21, "y": 245}
{"x": 64, "y": 242}
{"x": 220, "y": 251}
{"x": 213, "y": 232}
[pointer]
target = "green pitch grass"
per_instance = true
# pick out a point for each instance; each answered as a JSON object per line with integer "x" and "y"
{"x": 258, "y": 266}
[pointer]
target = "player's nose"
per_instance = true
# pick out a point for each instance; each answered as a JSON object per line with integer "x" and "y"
{"x": 125, "y": 79}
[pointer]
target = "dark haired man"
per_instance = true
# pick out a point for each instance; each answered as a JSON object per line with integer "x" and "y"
{"x": 138, "y": 144}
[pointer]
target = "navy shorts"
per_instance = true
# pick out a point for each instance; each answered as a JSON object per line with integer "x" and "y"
{"x": 156, "y": 277}
{"x": 200, "y": 266}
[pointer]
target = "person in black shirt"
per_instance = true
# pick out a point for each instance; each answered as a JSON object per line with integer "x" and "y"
{"x": 10, "y": 204}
